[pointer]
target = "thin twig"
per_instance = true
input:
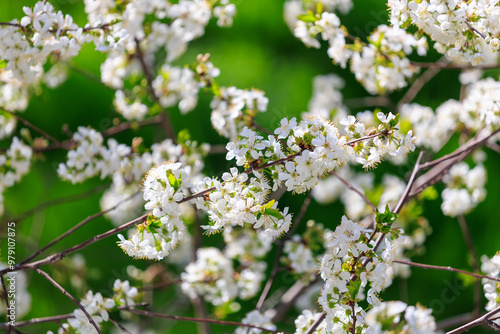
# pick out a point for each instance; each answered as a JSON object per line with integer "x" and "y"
{"x": 455, "y": 320}
{"x": 6, "y": 298}
{"x": 33, "y": 127}
{"x": 316, "y": 323}
{"x": 481, "y": 320}
{"x": 417, "y": 85}
{"x": 160, "y": 285}
{"x": 59, "y": 256}
{"x": 77, "y": 226}
{"x": 189, "y": 319}
{"x": 356, "y": 190}
{"x": 57, "y": 201}
{"x": 475, "y": 263}
{"x": 450, "y": 66}
{"x": 119, "y": 326}
{"x": 445, "y": 268}
{"x": 80, "y": 306}
{"x": 57, "y": 318}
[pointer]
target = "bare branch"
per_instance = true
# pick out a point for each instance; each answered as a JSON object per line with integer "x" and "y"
{"x": 59, "y": 256}
{"x": 481, "y": 320}
{"x": 54, "y": 283}
{"x": 77, "y": 226}
{"x": 211, "y": 321}
{"x": 33, "y": 127}
{"x": 430, "y": 266}
{"x": 356, "y": 190}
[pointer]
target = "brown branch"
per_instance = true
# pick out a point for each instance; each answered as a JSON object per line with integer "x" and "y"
{"x": 31, "y": 126}
{"x": 6, "y": 298}
{"x": 455, "y": 320}
{"x": 57, "y": 318}
{"x": 59, "y": 256}
{"x": 442, "y": 165}
{"x": 430, "y": 266}
{"x": 417, "y": 85}
{"x": 57, "y": 201}
{"x": 189, "y": 319}
{"x": 481, "y": 320}
{"x": 356, "y": 190}
{"x": 103, "y": 26}
{"x": 77, "y": 226}
{"x": 119, "y": 326}
{"x": 316, "y": 323}
{"x": 80, "y": 306}
{"x": 450, "y": 66}
{"x": 475, "y": 263}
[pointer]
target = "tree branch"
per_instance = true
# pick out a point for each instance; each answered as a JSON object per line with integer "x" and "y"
{"x": 54, "y": 283}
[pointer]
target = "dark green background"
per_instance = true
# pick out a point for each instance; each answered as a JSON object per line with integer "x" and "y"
{"x": 258, "y": 51}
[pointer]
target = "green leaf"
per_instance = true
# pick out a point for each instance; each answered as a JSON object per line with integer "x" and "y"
{"x": 153, "y": 225}
{"x": 269, "y": 204}
{"x": 274, "y": 213}
{"x": 309, "y": 17}
{"x": 387, "y": 217}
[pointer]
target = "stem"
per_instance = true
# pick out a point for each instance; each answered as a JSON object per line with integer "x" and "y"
{"x": 54, "y": 283}
{"x": 430, "y": 266}
{"x": 350, "y": 186}
{"x": 481, "y": 320}
{"x": 77, "y": 226}
{"x": 33, "y": 127}
{"x": 59, "y": 256}
{"x": 210, "y": 321}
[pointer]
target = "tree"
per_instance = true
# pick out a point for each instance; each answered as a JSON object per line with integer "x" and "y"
{"x": 221, "y": 233}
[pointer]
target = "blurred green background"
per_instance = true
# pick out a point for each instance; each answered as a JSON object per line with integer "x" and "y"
{"x": 258, "y": 51}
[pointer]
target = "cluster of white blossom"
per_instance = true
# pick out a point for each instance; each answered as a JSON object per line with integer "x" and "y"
{"x": 348, "y": 246}
{"x": 491, "y": 267}
{"x": 257, "y": 319}
{"x": 317, "y": 147}
{"x": 26, "y": 45}
{"x": 327, "y": 100}
{"x": 131, "y": 109}
{"x": 239, "y": 199}
{"x": 477, "y": 111}
{"x": 294, "y": 8}
{"x": 90, "y": 157}
{"x": 380, "y": 65}
{"x": 14, "y": 164}
{"x": 210, "y": 276}
{"x": 459, "y": 28}
{"x": 300, "y": 257}
{"x": 464, "y": 189}
{"x": 98, "y": 307}
{"x": 233, "y": 109}
{"x": 163, "y": 187}
{"x": 129, "y": 27}
{"x": 397, "y": 317}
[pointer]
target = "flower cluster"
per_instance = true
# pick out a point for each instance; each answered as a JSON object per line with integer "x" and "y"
{"x": 14, "y": 164}
{"x": 90, "y": 157}
{"x": 240, "y": 199}
{"x": 26, "y": 45}
{"x": 348, "y": 246}
{"x": 257, "y": 319}
{"x": 210, "y": 276}
{"x": 459, "y": 28}
{"x": 380, "y": 65}
{"x": 163, "y": 188}
{"x": 464, "y": 189}
{"x": 397, "y": 317}
{"x": 99, "y": 307}
{"x": 129, "y": 27}
{"x": 491, "y": 267}
{"x": 233, "y": 109}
